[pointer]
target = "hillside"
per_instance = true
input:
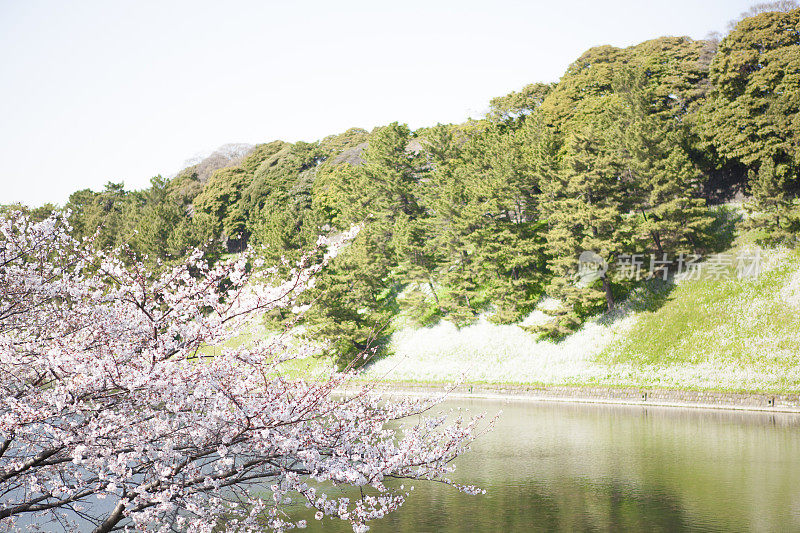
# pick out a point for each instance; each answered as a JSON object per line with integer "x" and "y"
{"x": 728, "y": 334}
{"x": 478, "y": 232}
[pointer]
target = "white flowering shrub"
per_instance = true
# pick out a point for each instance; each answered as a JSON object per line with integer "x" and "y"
{"x": 113, "y": 417}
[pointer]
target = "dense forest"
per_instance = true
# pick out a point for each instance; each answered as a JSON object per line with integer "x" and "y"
{"x": 632, "y": 151}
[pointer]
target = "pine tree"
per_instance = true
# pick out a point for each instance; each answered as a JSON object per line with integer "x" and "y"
{"x": 664, "y": 184}
{"x": 489, "y": 240}
{"x": 357, "y": 295}
{"x": 771, "y": 209}
{"x": 355, "y": 298}
{"x": 585, "y": 208}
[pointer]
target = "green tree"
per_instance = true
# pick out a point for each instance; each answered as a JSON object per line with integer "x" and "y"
{"x": 519, "y": 104}
{"x": 771, "y": 209}
{"x": 154, "y": 224}
{"x": 663, "y": 183}
{"x": 98, "y": 213}
{"x": 222, "y": 193}
{"x": 358, "y": 294}
{"x": 753, "y": 115}
{"x": 491, "y": 233}
{"x": 355, "y": 299}
{"x": 585, "y": 208}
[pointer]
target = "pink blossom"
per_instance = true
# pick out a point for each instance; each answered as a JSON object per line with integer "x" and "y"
{"x": 107, "y": 392}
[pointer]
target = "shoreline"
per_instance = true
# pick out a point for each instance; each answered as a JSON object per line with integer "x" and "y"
{"x": 734, "y": 401}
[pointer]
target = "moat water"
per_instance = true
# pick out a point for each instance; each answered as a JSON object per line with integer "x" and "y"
{"x": 580, "y": 467}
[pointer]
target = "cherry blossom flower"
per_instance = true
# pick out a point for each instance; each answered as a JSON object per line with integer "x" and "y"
{"x": 113, "y": 416}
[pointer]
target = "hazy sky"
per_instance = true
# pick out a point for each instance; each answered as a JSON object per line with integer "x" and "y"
{"x": 122, "y": 91}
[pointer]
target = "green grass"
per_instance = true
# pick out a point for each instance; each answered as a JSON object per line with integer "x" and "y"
{"x": 298, "y": 368}
{"x": 731, "y": 324}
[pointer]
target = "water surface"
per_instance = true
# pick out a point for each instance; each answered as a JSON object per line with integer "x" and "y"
{"x": 578, "y": 467}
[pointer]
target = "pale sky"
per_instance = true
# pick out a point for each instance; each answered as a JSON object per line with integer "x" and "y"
{"x": 98, "y": 91}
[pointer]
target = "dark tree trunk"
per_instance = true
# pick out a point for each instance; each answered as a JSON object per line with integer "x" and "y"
{"x": 609, "y": 294}
{"x": 113, "y": 519}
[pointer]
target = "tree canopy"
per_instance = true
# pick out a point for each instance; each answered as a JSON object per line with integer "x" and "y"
{"x": 623, "y": 155}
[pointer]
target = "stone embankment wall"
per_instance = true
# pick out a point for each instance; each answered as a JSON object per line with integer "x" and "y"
{"x": 626, "y": 396}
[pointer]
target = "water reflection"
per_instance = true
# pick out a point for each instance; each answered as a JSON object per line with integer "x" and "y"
{"x": 573, "y": 467}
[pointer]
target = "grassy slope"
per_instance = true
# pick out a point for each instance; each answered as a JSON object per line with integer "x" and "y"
{"x": 735, "y": 334}
{"x": 729, "y": 333}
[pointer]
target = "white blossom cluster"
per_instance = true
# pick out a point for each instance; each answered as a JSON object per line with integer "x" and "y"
{"x": 113, "y": 417}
